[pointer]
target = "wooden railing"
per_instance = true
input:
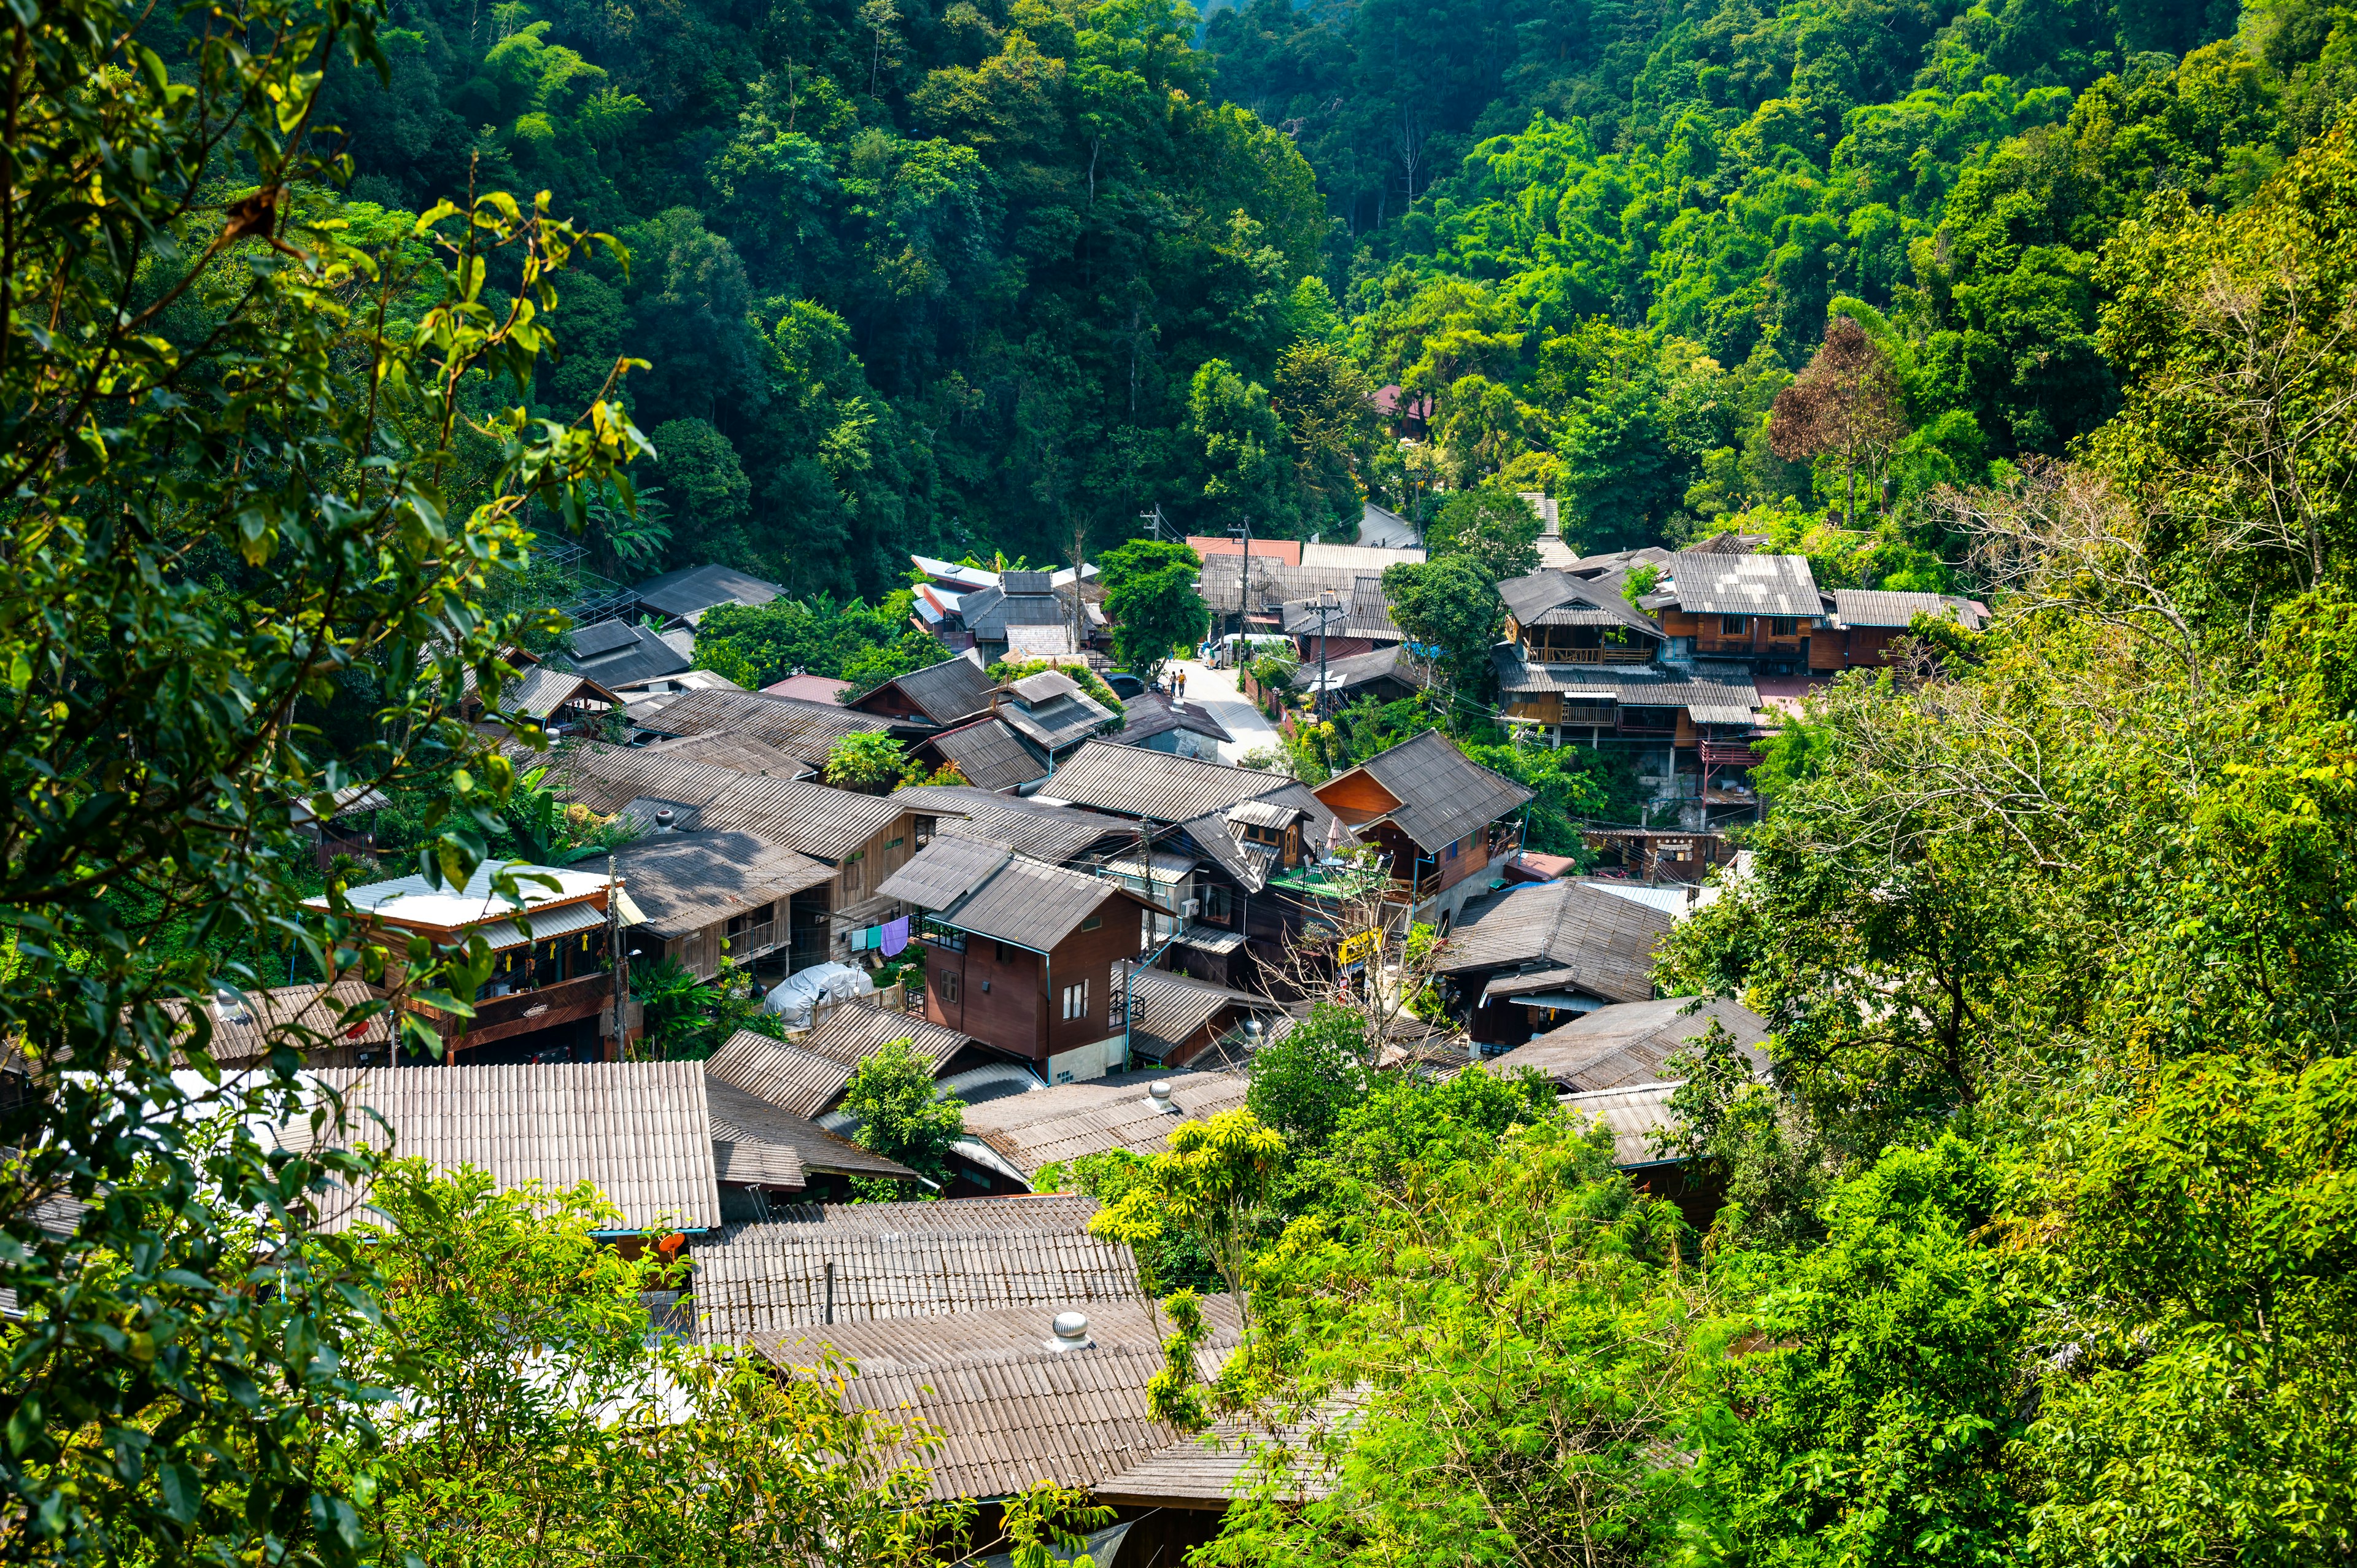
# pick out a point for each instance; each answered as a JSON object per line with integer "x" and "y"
{"x": 1592, "y": 656}
{"x": 1732, "y": 753}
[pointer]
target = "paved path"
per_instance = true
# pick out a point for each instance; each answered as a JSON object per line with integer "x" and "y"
{"x": 1216, "y": 690}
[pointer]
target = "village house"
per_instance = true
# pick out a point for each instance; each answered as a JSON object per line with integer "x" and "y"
{"x": 1257, "y": 842}
{"x": 1022, "y": 1135}
{"x": 1868, "y": 621}
{"x": 1391, "y": 674}
{"x": 621, "y": 653}
{"x": 1525, "y": 959}
{"x": 938, "y": 696}
{"x": 1022, "y": 955}
{"x": 861, "y": 838}
{"x": 705, "y": 895}
{"x": 243, "y": 1025}
{"x": 1341, "y": 624}
{"x": 988, "y": 753}
{"x": 1175, "y": 1019}
{"x": 806, "y": 731}
{"x": 550, "y": 988}
{"x": 1444, "y": 825}
{"x": 681, "y": 597}
{"x": 1159, "y": 722}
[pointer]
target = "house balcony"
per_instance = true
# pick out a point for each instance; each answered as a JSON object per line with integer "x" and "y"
{"x": 1592, "y": 656}
{"x": 522, "y": 1011}
{"x": 1729, "y": 753}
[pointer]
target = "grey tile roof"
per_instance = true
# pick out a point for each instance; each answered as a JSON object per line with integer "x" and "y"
{"x": 1027, "y": 582}
{"x": 811, "y": 818}
{"x": 1167, "y": 1010}
{"x": 1061, "y": 1213}
{"x": 1540, "y": 599}
{"x": 1131, "y": 781}
{"x": 1632, "y": 1114}
{"x": 1058, "y": 722}
{"x": 990, "y": 753}
{"x": 988, "y": 615}
{"x": 1361, "y": 610}
{"x": 1644, "y": 686}
{"x": 1210, "y": 1469}
{"x": 1395, "y": 663}
{"x": 1044, "y": 831}
{"x": 308, "y": 1017}
{"x": 1745, "y": 584}
{"x": 1150, "y": 713}
{"x": 886, "y": 1346}
{"x": 1265, "y": 814}
{"x": 1627, "y": 1044}
{"x": 1273, "y": 583}
{"x": 805, "y": 1077}
{"x": 752, "y": 1137}
{"x": 945, "y": 870}
{"x": 945, "y": 692}
{"x": 684, "y": 882}
{"x": 853, "y": 1031}
{"x": 542, "y": 689}
{"x": 1443, "y": 796}
{"x": 692, "y": 589}
{"x": 1875, "y": 607}
{"x": 1034, "y": 905}
{"x": 638, "y": 1132}
{"x": 626, "y": 654}
{"x": 1606, "y": 941}
{"x": 1029, "y": 1131}
{"x": 799, "y": 729}
{"x": 772, "y": 1278}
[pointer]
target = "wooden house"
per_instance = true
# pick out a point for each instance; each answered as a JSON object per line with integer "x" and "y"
{"x": 1442, "y": 822}
{"x": 705, "y": 895}
{"x": 549, "y": 995}
{"x": 1868, "y": 621}
{"x": 1554, "y": 617}
{"x": 1525, "y": 959}
{"x": 1023, "y": 955}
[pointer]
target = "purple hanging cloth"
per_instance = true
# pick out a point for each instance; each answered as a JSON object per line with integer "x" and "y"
{"x": 895, "y": 936}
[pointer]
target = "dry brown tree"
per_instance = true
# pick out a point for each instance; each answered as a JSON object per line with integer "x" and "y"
{"x": 1846, "y": 404}
{"x": 1358, "y": 950}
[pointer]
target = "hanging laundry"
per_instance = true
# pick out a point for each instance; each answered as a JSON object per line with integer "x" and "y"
{"x": 895, "y": 936}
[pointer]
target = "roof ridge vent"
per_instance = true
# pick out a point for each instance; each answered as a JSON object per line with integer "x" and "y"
{"x": 1071, "y": 1332}
{"x": 1158, "y": 1098}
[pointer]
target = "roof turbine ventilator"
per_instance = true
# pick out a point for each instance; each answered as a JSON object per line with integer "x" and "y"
{"x": 1071, "y": 1333}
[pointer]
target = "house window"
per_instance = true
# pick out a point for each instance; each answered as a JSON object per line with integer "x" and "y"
{"x": 1783, "y": 626}
{"x": 1452, "y": 850}
{"x": 1076, "y": 1000}
{"x": 1093, "y": 922}
{"x": 1005, "y": 954}
{"x": 1219, "y": 903}
{"x": 949, "y": 983}
{"x": 893, "y": 845}
{"x": 1734, "y": 626}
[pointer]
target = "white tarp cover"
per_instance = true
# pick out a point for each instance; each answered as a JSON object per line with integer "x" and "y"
{"x": 802, "y": 992}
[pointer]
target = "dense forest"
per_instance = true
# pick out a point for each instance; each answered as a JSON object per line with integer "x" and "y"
{"x": 1001, "y": 278}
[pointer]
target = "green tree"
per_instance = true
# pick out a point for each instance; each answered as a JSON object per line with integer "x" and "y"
{"x": 1451, "y": 605}
{"x": 900, "y": 1115}
{"x": 870, "y": 761}
{"x": 1303, "y": 1082}
{"x": 264, "y": 470}
{"x": 1151, "y": 599}
{"x": 1496, "y": 530}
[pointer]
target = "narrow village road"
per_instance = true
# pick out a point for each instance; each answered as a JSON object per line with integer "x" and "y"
{"x": 1217, "y": 690}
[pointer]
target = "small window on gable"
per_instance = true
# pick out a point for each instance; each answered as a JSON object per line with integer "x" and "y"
{"x": 1093, "y": 922}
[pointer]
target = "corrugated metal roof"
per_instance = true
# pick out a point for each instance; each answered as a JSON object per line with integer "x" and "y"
{"x": 692, "y": 589}
{"x": 638, "y": 1132}
{"x": 1744, "y": 584}
{"x": 853, "y": 1031}
{"x": 544, "y": 689}
{"x": 409, "y": 900}
{"x": 1029, "y": 1131}
{"x": 880, "y": 1347}
{"x": 767, "y": 1137}
{"x": 1058, "y": 721}
{"x": 1395, "y": 663}
{"x": 1632, "y": 1113}
{"x": 944, "y": 871}
{"x": 1608, "y": 943}
{"x": 805, "y": 730}
{"x": 809, "y": 819}
{"x": 945, "y": 692}
{"x": 635, "y": 654}
{"x": 1167, "y": 1010}
{"x": 310, "y": 1016}
{"x": 684, "y": 882}
{"x": 1062, "y": 1213}
{"x": 1543, "y": 597}
{"x": 990, "y": 753}
{"x": 1032, "y": 904}
{"x": 772, "y": 1278}
{"x": 1442, "y": 795}
{"x": 1150, "y": 713}
{"x": 1632, "y": 686}
{"x": 1058, "y": 834}
{"x": 1627, "y": 1044}
{"x": 1273, "y": 583}
{"x": 1883, "y": 608}
{"x": 737, "y": 753}
{"x": 786, "y": 1074}
{"x": 1210, "y": 1469}
{"x": 1130, "y": 781}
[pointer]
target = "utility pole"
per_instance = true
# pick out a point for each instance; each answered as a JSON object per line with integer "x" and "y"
{"x": 1329, "y": 604}
{"x": 621, "y": 970}
{"x": 1243, "y": 580}
{"x": 1152, "y": 520}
